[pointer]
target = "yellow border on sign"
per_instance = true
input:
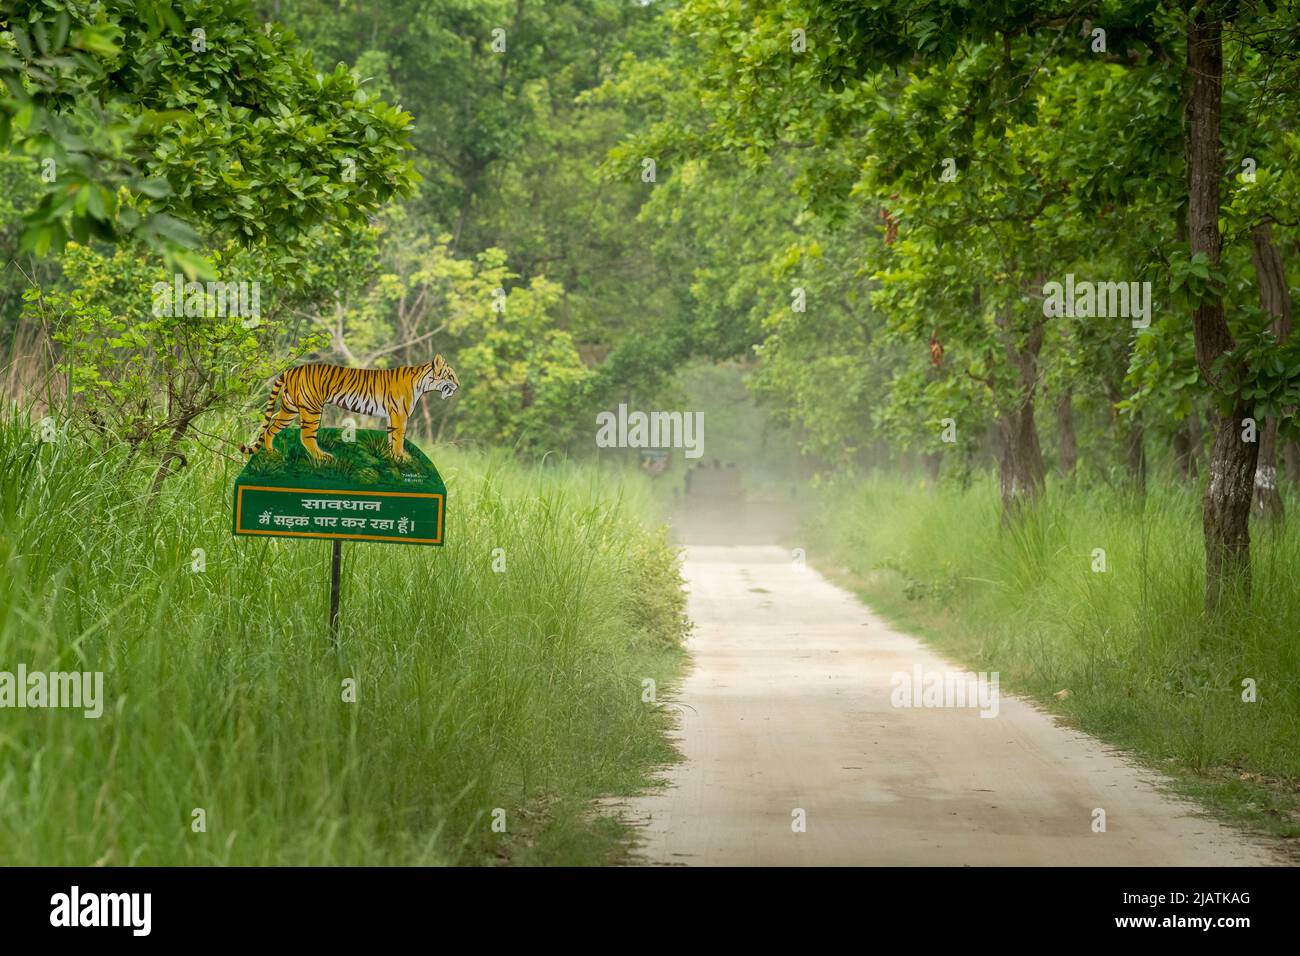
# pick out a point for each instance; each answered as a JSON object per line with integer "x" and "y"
{"x": 239, "y": 511}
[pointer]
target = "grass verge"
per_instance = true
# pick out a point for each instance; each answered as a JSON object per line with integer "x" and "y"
{"x": 1144, "y": 668}
{"x": 482, "y": 695}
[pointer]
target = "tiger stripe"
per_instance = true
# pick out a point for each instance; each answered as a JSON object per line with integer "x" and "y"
{"x": 304, "y": 391}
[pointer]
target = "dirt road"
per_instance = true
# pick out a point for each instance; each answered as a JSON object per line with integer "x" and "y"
{"x": 788, "y": 709}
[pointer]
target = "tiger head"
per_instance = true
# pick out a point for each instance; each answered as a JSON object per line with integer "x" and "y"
{"x": 440, "y": 378}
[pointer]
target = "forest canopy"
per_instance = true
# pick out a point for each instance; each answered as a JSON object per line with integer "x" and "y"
{"x": 1050, "y": 239}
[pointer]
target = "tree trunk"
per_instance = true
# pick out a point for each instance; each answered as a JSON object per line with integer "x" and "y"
{"x": 1292, "y": 458}
{"x": 1186, "y": 440}
{"x": 1268, "y": 497}
{"x": 173, "y": 452}
{"x": 1020, "y": 465}
{"x": 933, "y": 462}
{"x": 1232, "y": 461}
{"x": 1132, "y": 437}
{"x": 1227, "y": 508}
{"x": 1135, "y": 456}
{"x": 427, "y": 415}
{"x": 1065, "y": 424}
{"x": 1275, "y": 299}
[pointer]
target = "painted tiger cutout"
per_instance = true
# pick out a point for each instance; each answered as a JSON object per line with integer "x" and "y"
{"x": 390, "y": 393}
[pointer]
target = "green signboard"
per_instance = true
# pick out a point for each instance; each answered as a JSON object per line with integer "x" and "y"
{"x": 362, "y": 494}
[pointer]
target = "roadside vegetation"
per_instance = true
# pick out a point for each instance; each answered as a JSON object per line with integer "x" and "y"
{"x": 1125, "y": 653}
{"x": 477, "y": 691}
{"x": 1042, "y": 241}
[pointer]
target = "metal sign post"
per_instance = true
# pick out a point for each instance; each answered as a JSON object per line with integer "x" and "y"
{"x": 335, "y": 568}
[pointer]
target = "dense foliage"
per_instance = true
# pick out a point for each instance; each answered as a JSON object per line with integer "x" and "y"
{"x": 939, "y": 175}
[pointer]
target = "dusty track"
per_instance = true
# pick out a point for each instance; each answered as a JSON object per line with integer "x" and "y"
{"x": 788, "y": 706}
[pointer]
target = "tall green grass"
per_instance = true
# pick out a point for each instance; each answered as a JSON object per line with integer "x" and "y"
{"x": 1144, "y": 667}
{"x": 475, "y": 690}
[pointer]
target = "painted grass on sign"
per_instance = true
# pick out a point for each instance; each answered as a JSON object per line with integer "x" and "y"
{"x": 477, "y": 692}
{"x": 362, "y": 461}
